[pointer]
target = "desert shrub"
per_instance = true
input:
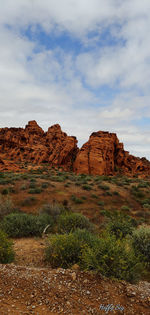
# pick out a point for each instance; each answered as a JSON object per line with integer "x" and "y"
{"x": 42, "y": 221}
{"x": 5, "y": 191}
{"x": 104, "y": 187}
{"x": 104, "y": 212}
{"x": 86, "y": 187}
{"x": 100, "y": 203}
{"x": 35, "y": 190}
{"x": 84, "y": 197}
{"x": 112, "y": 258}
{"x": 28, "y": 201}
{"x": 76, "y": 199}
{"x": 116, "y": 193}
{"x": 70, "y": 222}
{"x": 59, "y": 179}
{"x": 6, "y": 249}
{"x": 121, "y": 225}
{"x": 136, "y": 192}
{"x": 4, "y": 181}
{"x": 52, "y": 209}
{"x": 6, "y": 207}
{"x": 107, "y": 193}
{"x": 146, "y": 206}
{"x": 141, "y": 241}
{"x": 86, "y": 237}
{"x": 67, "y": 185}
{"x": 143, "y": 184}
{"x": 145, "y": 201}
{"x": 12, "y": 190}
{"x": 32, "y": 180}
{"x": 32, "y": 185}
{"x": 94, "y": 196}
{"x": 45, "y": 185}
{"x": 65, "y": 250}
{"x": 23, "y": 225}
{"x": 77, "y": 184}
{"x": 125, "y": 208}
{"x": 25, "y": 176}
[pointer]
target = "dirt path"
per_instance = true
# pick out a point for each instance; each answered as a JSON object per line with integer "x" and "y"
{"x": 29, "y": 252}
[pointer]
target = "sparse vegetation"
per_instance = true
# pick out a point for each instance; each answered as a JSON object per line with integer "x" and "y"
{"x": 112, "y": 258}
{"x": 141, "y": 242}
{"x": 116, "y": 228}
{"x": 23, "y": 225}
{"x": 6, "y": 206}
{"x": 120, "y": 225}
{"x": 6, "y": 249}
{"x": 70, "y": 222}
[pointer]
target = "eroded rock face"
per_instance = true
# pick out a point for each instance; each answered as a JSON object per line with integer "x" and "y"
{"x": 103, "y": 154}
{"x": 97, "y": 155}
{"x": 34, "y": 145}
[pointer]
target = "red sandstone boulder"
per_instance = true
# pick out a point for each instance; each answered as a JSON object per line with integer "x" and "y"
{"x": 97, "y": 156}
{"x": 104, "y": 155}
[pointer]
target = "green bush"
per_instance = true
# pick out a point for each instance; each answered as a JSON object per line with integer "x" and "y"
{"x": 120, "y": 225}
{"x": 35, "y": 190}
{"x": 100, "y": 203}
{"x": 45, "y": 185}
{"x": 107, "y": 193}
{"x": 6, "y": 249}
{"x": 86, "y": 237}
{"x": 84, "y": 197}
{"x": 28, "y": 201}
{"x": 104, "y": 187}
{"x": 125, "y": 208}
{"x": 94, "y": 196}
{"x": 6, "y": 207}
{"x": 52, "y": 209}
{"x": 143, "y": 184}
{"x": 86, "y": 187}
{"x": 65, "y": 250}
{"x": 24, "y": 225}
{"x": 146, "y": 206}
{"x": 76, "y": 199}
{"x": 141, "y": 241}
{"x": 112, "y": 258}
{"x": 70, "y": 222}
{"x": 23, "y": 187}
{"x": 42, "y": 221}
{"x": 116, "y": 193}
{"x": 5, "y": 191}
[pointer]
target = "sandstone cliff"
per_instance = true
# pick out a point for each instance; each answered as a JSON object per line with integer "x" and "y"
{"x": 103, "y": 154}
{"x": 34, "y": 145}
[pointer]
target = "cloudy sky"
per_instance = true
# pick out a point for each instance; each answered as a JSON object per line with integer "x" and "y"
{"x": 84, "y": 64}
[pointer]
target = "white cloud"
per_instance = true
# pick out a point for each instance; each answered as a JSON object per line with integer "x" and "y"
{"x": 41, "y": 86}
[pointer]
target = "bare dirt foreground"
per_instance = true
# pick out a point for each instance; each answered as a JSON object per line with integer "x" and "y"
{"x": 25, "y": 290}
{"x": 30, "y": 287}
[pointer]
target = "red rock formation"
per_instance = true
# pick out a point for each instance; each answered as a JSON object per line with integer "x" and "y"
{"x": 104, "y": 155}
{"x": 34, "y": 145}
{"x": 97, "y": 155}
{"x": 101, "y": 155}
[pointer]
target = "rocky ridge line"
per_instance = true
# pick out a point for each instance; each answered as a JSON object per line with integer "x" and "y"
{"x": 102, "y": 154}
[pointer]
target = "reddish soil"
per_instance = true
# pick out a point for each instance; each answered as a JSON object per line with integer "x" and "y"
{"x": 27, "y": 287}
